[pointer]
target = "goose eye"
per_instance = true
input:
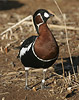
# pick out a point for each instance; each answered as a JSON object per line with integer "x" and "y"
{"x": 46, "y": 15}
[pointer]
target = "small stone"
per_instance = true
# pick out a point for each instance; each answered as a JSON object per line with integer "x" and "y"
{"x": 55, "y": 82}
{"x": 69, "y": 89}
{"x": 3, "y": 98}
{"x": 13, "y": 64}
{"x": 34, "y": 89}
{"x": 61, "y": 33}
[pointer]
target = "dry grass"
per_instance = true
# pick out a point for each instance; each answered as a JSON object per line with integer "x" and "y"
{"x": 7, "y": 34}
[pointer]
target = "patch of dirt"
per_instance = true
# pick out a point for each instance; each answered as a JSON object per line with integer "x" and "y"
{"x": 12, "y": 74}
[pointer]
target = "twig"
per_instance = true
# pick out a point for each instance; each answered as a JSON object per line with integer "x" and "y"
{"x": 20, "y": 25}
{"x": 78, "y": 69}
{"x": 31, "y": 23}
{"x": 62, "y": 67}
{"x": 55, "y": 16}
{"x": 39, "y": 70}
{"x": 62, "y": 27}
{"x": 10, "y": 34}
{"x": 4, "y": 93}
{"x": 58, "y": 75}
{"x": 64, "y": 17}
{"x": 10, "y": 43}
{"x": 62, "y": 40}
{"x": 76, "y": 86}
{"x": 69, "y": 77}
{"x": 27, "y": 18}
{"x": 1, "y": 49}
{"x": 58, "y": 7}
{"x": 69, "y": 48}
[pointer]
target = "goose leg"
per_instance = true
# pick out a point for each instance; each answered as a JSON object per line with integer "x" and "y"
{"x": 43, "y": 80}
{"x": 26, "y": 83}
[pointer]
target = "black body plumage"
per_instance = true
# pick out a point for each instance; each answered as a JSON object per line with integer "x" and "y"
{"x": 29, "y": 59}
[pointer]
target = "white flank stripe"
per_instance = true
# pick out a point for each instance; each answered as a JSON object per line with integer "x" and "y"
{"x": 24, "y": 50}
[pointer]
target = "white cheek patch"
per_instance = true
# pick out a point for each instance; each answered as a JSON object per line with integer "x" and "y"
{"x": 46, "y": 15}
{"x": 24, "y": 50}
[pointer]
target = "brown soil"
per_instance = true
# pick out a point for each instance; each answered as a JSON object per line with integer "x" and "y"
{"x": 12, "y": 74}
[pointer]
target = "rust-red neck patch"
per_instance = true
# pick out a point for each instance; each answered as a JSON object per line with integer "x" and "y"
{"x": 38, "y": 19}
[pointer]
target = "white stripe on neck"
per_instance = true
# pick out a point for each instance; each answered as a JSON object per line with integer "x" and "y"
{"x": 41, "y": 19}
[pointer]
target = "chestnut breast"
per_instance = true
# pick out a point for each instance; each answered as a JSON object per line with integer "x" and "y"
{"x": 45, "y": 45}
